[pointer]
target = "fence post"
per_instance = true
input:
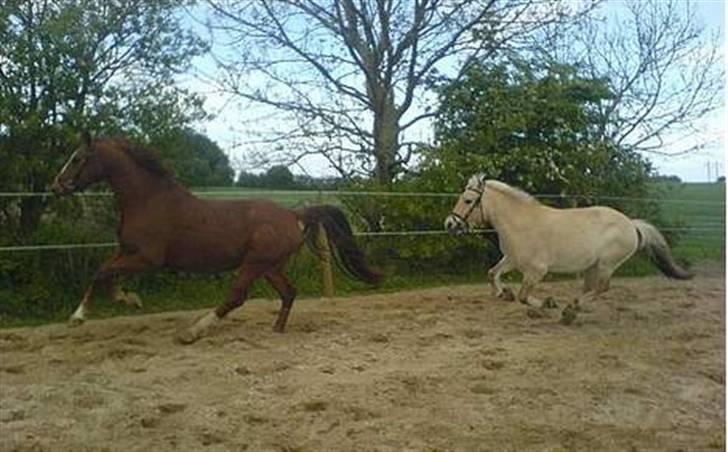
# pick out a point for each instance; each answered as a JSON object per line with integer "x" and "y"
{"x": 324, "y": 251}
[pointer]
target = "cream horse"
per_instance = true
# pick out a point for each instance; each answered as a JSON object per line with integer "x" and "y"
{"x": 536, "y": 239}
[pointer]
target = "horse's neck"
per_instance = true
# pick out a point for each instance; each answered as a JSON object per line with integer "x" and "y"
{"x": 132, "y": 185}
{"x": 509, "y": 213}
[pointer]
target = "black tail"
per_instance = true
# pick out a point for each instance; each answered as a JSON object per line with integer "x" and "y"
{"x": 654, "y": 243}
{"x": 348, "y": 255}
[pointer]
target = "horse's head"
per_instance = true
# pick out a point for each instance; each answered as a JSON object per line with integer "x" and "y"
{"x": 82, "y": 169}
{"x": 469, "y": 209}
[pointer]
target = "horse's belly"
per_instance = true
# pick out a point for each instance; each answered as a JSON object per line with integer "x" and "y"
{"x": 205, "y": 256}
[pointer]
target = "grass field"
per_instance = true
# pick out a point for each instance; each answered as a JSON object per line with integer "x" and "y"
{"x": 700, "y": 207}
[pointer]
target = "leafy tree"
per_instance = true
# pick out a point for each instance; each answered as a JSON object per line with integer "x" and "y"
{"x": 107, "y": 66}
{"x": 249, "y": 180}
{"x": 534, "y": 127}
{"x": 278, "y": 176}
{"x": 196, "y": 160}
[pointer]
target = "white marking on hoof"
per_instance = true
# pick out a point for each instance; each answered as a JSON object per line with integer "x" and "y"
{"x": 133, "y": 299}
{"x": 78, "y": 316}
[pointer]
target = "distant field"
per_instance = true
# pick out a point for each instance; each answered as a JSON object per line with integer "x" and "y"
{"x": 289, "y": 198}
{"x": 701, "y": 207}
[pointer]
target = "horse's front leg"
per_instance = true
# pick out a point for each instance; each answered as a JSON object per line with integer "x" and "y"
{"x": 119, "y": 295}
{"x": 118, "y": 265}
{"x": 494, "y": 274}
{"x": 530, "y": 279}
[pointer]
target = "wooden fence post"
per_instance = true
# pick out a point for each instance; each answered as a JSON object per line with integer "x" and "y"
{"x": 327, "y": 274}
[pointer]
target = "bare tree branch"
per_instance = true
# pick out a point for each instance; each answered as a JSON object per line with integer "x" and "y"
{"x": 356, "y": 71}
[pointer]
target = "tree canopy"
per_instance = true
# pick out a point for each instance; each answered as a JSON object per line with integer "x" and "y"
{"x": 66, "y": 65}
{"x": 535, "y": 126}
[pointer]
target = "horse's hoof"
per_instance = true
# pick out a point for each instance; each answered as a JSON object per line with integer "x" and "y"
{"x": 279, "y": 329}
{"x": 507, "y": 294}
{"x": 550, "y": 303}
{"x": 133, "y": 299}
{"x": 535, "y": 313}
{"x": 73, "y": 322}
{"x": 186, "y": 337}
{"x": 568, "y": 315}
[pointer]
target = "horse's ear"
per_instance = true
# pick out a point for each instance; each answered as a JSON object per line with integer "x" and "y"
{"x": 482, "y": 178}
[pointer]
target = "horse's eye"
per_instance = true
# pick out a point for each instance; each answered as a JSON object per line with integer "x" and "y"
{"x": 468, "y": 201}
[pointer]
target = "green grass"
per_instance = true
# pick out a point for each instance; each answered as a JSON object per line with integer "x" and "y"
{"x": 700, "y": 206}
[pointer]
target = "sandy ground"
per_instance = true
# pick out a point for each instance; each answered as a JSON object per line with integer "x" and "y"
{"x": 450, "y": 368}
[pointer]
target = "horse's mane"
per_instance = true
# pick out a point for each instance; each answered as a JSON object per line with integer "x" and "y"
{"x": 145, "y": 158}
{"x": 513, "y": 192}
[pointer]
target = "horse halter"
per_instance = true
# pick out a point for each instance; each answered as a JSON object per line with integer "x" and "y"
{"x": 476, "y": 202}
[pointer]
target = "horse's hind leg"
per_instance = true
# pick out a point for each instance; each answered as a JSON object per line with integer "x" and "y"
{"x": 287, "y": 293}
{"x": 238, "y": 294}
{"x": 592, "y": 279}
{"x": 596, "y": 281}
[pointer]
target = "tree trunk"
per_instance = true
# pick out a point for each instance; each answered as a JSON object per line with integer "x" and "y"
{"x": 386, "y": 143}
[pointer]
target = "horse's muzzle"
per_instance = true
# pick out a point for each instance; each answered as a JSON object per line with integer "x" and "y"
{"x": 455, "y": 225}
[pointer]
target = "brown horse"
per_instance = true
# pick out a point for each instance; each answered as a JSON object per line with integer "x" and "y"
{"x": 163, "y": 225}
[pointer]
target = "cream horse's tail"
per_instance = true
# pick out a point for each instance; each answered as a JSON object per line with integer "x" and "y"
{"x": 654, "y": 243}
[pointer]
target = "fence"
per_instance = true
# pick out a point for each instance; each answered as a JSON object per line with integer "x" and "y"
{"x": 710, "y": 223}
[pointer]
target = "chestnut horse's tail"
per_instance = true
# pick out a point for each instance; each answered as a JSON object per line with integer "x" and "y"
{"x": 348, "y": 255}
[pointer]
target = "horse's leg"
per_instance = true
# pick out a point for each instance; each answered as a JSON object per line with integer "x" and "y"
{"x": 591, "y": 287}
{"x": 503, "y": 266}
{"x": 120, "y": 264}
{"x": 287, "y": 292}
{"x": 238, "y": 294}
{"x": 530, "y": 279}
{"x": 119, "y": 295}
{"x": 596, "y": 281}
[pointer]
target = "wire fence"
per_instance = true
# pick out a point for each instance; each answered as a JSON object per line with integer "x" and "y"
{"x": 705, "y": 225}
{"x": 243, "y": 193}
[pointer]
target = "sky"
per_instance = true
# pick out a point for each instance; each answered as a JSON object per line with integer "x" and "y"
{"x": 233, "y": 121}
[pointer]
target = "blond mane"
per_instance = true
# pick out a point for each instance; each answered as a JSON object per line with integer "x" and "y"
{"x": 512, "y": 192}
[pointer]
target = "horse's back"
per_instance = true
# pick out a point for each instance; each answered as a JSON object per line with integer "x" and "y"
{"x": 217, "y": 235}
{"x": 574, "y": 239}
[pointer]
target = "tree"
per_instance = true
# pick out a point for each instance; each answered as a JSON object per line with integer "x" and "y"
{"x": 248, "y": 180}
{"x": 535, "y": 127}
{"x": 278, "y": 176}
{"x": 664, "y": 69}
{"x": 65, "y": 65}
{"x": 196, "y": 160}
{"x": 351, "y": 76}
